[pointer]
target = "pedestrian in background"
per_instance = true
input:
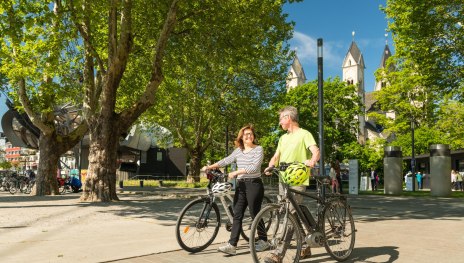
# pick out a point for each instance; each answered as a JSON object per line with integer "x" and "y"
{"x": 453, "y": 179}
{"x": 374, "y": 180}
{"x": 419, "y": 179}
{"x": 459, "y": 182}
{"x": 333, "y": 177}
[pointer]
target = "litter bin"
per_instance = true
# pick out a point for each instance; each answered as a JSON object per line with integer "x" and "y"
{"x": 141, "y": 183}
{"x": 440, "y": 170}
{"x": 392, "y": 167}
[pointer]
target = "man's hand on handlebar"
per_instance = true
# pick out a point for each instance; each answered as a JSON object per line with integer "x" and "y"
{"x": 310, "y": 163}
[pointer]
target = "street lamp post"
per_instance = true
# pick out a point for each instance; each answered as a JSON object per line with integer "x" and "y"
{"x": 413, "y": 158}
{"x": 320, "y": 85}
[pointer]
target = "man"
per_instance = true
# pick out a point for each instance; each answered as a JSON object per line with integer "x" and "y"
{"x": 294, "y": 146}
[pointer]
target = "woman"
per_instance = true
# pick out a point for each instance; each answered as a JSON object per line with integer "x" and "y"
{"x": 249, "y": 189}
{"x": 333, "y": 176}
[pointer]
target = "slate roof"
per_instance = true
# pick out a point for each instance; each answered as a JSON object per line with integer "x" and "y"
{"x": 298, "y": 68}
{"x": 356, "y": 54}
{"x": 385, "y": 55}
{"x": 369, "y": 100}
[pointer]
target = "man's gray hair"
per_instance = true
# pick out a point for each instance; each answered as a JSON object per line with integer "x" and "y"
{"x": 291, "y": 111}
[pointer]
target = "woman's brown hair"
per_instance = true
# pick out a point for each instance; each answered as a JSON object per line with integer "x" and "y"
{"x": 239, "y": 141}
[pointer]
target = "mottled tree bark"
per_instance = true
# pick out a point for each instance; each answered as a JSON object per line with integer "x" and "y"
{"x": 49, "y": 157}
{"x": 195, "y": 167}
{"x": 100, "y": 183}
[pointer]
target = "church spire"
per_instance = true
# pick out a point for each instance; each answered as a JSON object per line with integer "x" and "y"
{"x": 296, "y": 75}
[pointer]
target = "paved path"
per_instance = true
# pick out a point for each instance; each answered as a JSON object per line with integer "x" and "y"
{"x": 140, "y": 228}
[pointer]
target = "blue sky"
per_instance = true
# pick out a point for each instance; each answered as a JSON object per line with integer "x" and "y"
{"x": 334, "y": 21}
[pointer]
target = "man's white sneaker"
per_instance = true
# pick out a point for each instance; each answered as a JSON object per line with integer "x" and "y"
{"x": 228, "y": 249}
{"x": 261, "y": 245}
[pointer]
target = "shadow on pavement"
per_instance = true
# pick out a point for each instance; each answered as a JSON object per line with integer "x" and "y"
{"x": 360, "y": 255}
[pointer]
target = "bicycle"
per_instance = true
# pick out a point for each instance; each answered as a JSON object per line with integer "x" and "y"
{"x": 332, "y": 226}
{"x": 199, "y": 221}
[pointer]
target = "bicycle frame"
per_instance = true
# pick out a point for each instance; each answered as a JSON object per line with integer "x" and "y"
{"x": 223, "y": 201}
{"x": 308, "y": 223}
{"x": 330, "y": 225}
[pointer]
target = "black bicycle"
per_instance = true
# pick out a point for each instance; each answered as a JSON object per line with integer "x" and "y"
{"x": 199, "y": 221}
{"x": 288, "y": 230}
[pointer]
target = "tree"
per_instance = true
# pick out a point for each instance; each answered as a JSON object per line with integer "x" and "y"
{"x": 5, "y": 165}
{"x": 449, "y": 125}
{"x": 121, "y": 51}
{"x": 218, "y": 89}
{"x": 430, "y": 34}
{"x": 341, "y": 106}
{"x": 36, "y": 60}
{"x": 426, "y": 68}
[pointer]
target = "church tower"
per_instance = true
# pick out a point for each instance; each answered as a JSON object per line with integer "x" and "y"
{"x": 296, "y": 75}
{"x": 383, "y": 63}
{"x": 353, "y": 73}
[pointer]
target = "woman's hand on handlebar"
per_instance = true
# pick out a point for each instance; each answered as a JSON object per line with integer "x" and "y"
{"x": 268, "y": 171}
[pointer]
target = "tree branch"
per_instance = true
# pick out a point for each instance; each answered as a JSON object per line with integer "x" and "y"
{"x": 147, "y": 99}
{"x": 26, "y": 103}
{"x": 86, "y": 33}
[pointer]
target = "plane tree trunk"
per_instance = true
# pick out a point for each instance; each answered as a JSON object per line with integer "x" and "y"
{"x": 100, "y": 183}
{"x": 52, "y": 146}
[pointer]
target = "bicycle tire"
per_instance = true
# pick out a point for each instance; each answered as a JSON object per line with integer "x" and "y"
{"x": 61, "y": 187}
{"x": 192, "y": 235}
{"x": 23, "y": 187}
{"x": 273, "y": 217}
{"x": 339, "y": 230}
{"x": 12, "y": 188}
{"x": 248, "y": 221}
{"x": 29, "y": 188}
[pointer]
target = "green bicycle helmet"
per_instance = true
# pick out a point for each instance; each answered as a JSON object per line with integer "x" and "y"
{"x": 295, "y": 174}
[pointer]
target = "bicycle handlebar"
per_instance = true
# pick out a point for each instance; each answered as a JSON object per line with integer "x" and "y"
{"x": 283, "y": 166}
{"x": 215, "y": 175}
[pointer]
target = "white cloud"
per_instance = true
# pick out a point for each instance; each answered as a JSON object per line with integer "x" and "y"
{"x": 306, "y": 47}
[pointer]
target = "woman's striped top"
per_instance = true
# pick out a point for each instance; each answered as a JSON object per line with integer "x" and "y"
{"x": 250, "y": 161}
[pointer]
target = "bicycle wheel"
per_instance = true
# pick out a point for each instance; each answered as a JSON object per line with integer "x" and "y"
{"x": 282, "y": 232}
{"x": 247, "y": 220}
{"x": 23, "y": 187}
{"x": 339, "y": 231}
{"x": 12, "y": 188}
{"x": 198, "y": 225}
{"x": 29, "y": 188}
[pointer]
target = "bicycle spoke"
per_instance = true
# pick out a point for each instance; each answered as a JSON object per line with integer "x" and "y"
{"x": 194, "y": 232}
{"x": 282, "y": 234}
{"x": 338, "y": 230}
